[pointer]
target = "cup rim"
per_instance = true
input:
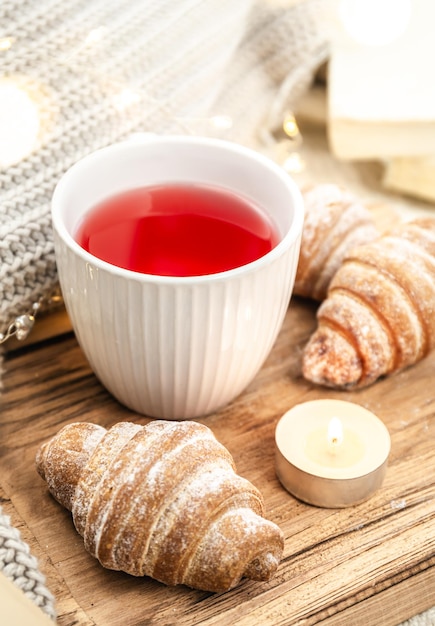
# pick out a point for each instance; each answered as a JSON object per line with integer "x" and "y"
{"x": 294, "y": 231}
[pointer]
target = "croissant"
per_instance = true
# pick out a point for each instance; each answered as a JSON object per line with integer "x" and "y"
{"x": 335, "y": 222}
{"x": 379, "y": 316}
{"x": 162, "y": 500}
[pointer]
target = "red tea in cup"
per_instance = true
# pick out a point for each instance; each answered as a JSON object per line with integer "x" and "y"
{"x": 177, "y": 230}
{"x": 175, "y": 347}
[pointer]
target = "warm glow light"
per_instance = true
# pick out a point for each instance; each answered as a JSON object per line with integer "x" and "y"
{"x": 375, "y": 22}
{"x": 6, "y": 43}
{"x": 96, "y": 34}
{"x": 293, "y": 163}
{"x": 290, "y": 127}
{"x": 222, "y": 122}
{"x": 126, "y": 98}
{"x": 335, "y": 432}
{"x": 19, "y": 122}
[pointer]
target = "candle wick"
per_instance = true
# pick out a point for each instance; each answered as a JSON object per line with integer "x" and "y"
{"x": 334, "y": 445}
{"x": 335, "y": 434}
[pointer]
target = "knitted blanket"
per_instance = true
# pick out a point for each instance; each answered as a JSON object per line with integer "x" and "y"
{"x": 77, "y": 75}
{"x": 19, "y": 565}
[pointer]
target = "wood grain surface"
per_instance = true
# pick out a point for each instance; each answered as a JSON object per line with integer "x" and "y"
{"x": 371, "y": 564}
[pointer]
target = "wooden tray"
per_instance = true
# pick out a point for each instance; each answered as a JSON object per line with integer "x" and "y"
{"x": 372, "y": 564}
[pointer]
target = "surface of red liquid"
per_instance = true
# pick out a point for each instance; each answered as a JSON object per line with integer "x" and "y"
{"x": 177, "y": 230}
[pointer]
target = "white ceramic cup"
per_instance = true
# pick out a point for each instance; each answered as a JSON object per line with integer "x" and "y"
{"x": 176, "y": 347}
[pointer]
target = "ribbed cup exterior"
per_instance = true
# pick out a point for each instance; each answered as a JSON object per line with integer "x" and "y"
{"x": 176, "y": 349}
{"x": 181, "y": 347}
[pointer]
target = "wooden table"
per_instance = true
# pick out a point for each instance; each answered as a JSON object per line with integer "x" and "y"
{"x": 372, "y": 564}
{"x": 369, "y": 565}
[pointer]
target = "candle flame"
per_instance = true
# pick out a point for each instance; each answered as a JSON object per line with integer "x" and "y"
{"x": 335, "y": 432}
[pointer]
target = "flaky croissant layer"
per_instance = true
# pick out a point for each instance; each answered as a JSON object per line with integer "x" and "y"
{"x": 162, "y": 500}
{"x": 379, "y": 315}
{"x": 335, "y": 222}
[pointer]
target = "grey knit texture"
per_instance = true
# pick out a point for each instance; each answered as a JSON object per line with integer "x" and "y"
{"x": 21, "y": 567}
{"x": 101, "y": 70}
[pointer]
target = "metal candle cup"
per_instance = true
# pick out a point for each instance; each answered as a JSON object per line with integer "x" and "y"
{"x": 327, "y": 469}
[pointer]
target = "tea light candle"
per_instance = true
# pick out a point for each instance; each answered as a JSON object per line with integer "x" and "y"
{"x": 331, "y": 453}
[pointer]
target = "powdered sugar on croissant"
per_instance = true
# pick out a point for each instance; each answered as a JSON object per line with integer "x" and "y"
{"x": 379, "y": 316}
{"x": 162, "y": 500}
{"x": 335, "y": 221}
